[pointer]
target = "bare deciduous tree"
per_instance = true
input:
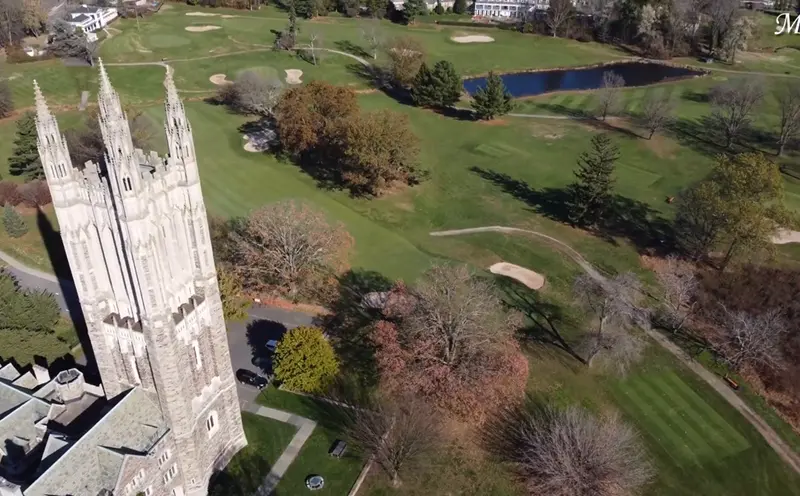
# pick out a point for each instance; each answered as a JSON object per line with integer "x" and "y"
{"x": 789, "y": 101}
{"x": 252, "y": 93}
{"x": 608, "y": 96}
{"x": 558, "y": 13}
{"x": 287, "y": 245}
{"x": 315, "y": 45}
{"x": 458, "y": 312}
{"x": 613, "y": 303}
{"x": 680, "y": 284}
{"x": 397, "y": 433}
{"x": 570, "y": 452}
{"x": 372, "y": 34}
{"x": 722, "y": 14}
{"x": 749, "y": 339}
{"x": 657, "y": 112}
{"x": 733, "y": 104}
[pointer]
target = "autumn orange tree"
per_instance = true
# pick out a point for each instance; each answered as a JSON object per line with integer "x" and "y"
{"x": 289, "y": 248}
{"x": 321, "y": 127}
{"x": 449, "y": 341}
{"x": 378, "y": 149}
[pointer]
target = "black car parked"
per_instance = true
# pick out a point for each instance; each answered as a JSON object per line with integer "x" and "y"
{"x": 250, "y": 378}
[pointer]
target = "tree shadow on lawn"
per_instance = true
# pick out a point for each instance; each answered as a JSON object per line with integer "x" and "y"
{"x": 588, "y": 118}
{"x": 351, "y": 48}
{"x": 378, "y": 78}
{"x": 705, "y": 136}
{"x": 350, "y": 322}
{"x": 243, "y": 475}
{"x": 627, "y": 218}
{"x": 545, "y": 317}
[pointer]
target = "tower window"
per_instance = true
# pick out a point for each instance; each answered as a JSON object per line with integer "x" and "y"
{"x": 173, "y": 470}
{"x": 212, "y": 424}
{"x": 197, "y": 360}
{"x": 126, "y": 184}
{"x": 166, "y": 455}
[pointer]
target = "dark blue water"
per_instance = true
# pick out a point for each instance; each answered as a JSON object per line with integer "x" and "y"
{"x": 536, "y": 83}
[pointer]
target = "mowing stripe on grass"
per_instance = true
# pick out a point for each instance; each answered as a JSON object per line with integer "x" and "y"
{"x": 695, "y": 416}
{"x": 676, "y": 425}
{"x": 634, "y": 413}
{"x": 734, "y": 438}
{"x": 651, "y": 420}
{"x": 693, "y": 439}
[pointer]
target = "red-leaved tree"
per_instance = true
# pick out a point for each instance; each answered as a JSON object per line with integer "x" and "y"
{"x": 450, "y": 341}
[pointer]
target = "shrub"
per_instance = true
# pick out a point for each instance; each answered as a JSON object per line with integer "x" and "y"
{"x": 14, "y": 224}
{"x": 305, "y": 360}
{"x": 6, "y": 100}
{"x": 9, "y": 193}
{"x": 35, "y": 194}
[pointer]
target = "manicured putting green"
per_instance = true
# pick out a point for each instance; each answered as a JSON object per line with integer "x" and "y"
{"x": 165, "y": 41}
{"x": 683, "y": 425}
{"x": 264, "y": 71}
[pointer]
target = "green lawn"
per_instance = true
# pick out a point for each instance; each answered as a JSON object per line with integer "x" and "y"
{"x": 509, "y": 172}
{"x": 266, "y": 440}
{"x": 700, "y": 445}
{"x": 339, "y": 473}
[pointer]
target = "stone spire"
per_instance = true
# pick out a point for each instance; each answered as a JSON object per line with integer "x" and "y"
{"x": 179, "y": 132}
{"x": 121, "y": 162}
{"x": 52, "y": 145}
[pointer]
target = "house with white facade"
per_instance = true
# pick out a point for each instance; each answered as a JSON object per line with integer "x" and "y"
{"x": 510, "y": 9}
{"x": 91, "y": 18}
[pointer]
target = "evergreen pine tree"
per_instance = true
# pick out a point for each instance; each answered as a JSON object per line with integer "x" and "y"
{"x": 448, "y": 82}
{"x": 423, "y": 90}
{"x": 440, "y": 87}
{"x": 413, "y": 9}
{"x": 13, "y": 223}
{"x": 292, "y": 18}
{"x": 439, "y": 10}
{"x": 592, "y": 193}
{"x": 6, "y": 100}
{"x": 24, "y": 160}
{"x": 492, "y": 100}
{"x": 460, "y": 6}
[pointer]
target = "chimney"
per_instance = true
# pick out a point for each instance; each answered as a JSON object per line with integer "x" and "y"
{"x": 69, "y": 385}
{"x": 41, "y": 374}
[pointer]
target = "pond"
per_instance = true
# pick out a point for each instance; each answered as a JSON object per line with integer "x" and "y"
{"x": 537, "y": 83}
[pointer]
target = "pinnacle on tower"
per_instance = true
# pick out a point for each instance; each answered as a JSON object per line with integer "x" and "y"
{"x": 105, "y": 83}
{"x": 173, "y": 100}
{"x": 41, "y": 103}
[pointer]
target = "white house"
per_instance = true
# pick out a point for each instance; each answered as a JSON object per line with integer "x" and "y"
{"x": 91, "y": 18}
{"x": 510, "y": 9}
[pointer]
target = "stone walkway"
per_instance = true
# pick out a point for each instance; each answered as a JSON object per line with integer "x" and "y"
{"x": 304, "y": 429}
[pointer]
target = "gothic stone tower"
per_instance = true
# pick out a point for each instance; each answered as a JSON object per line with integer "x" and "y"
{"x": 136, "y": 236}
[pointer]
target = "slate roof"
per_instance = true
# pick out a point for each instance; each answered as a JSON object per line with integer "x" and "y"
{"x": 129, "y": 428}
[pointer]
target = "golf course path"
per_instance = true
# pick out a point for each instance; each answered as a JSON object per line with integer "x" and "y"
{"x": 773, "y": 439}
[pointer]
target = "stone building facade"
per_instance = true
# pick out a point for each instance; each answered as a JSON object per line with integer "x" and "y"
{"x": 136, "y": 236}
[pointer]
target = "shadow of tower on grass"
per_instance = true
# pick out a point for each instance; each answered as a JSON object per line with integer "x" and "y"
{"x": 58, "y": 259}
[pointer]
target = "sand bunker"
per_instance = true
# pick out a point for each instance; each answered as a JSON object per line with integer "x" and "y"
{"x": 219, "y": 79}
{"x": 785, "y": 236}
{"x": 473, "y": 38}
{"x": 521, "y": 274}
{"x": 201, "y": 29}
{"x": 293, "y": 76}
{"x": 228, "y": 16}
{"x": 201, "y": 14}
